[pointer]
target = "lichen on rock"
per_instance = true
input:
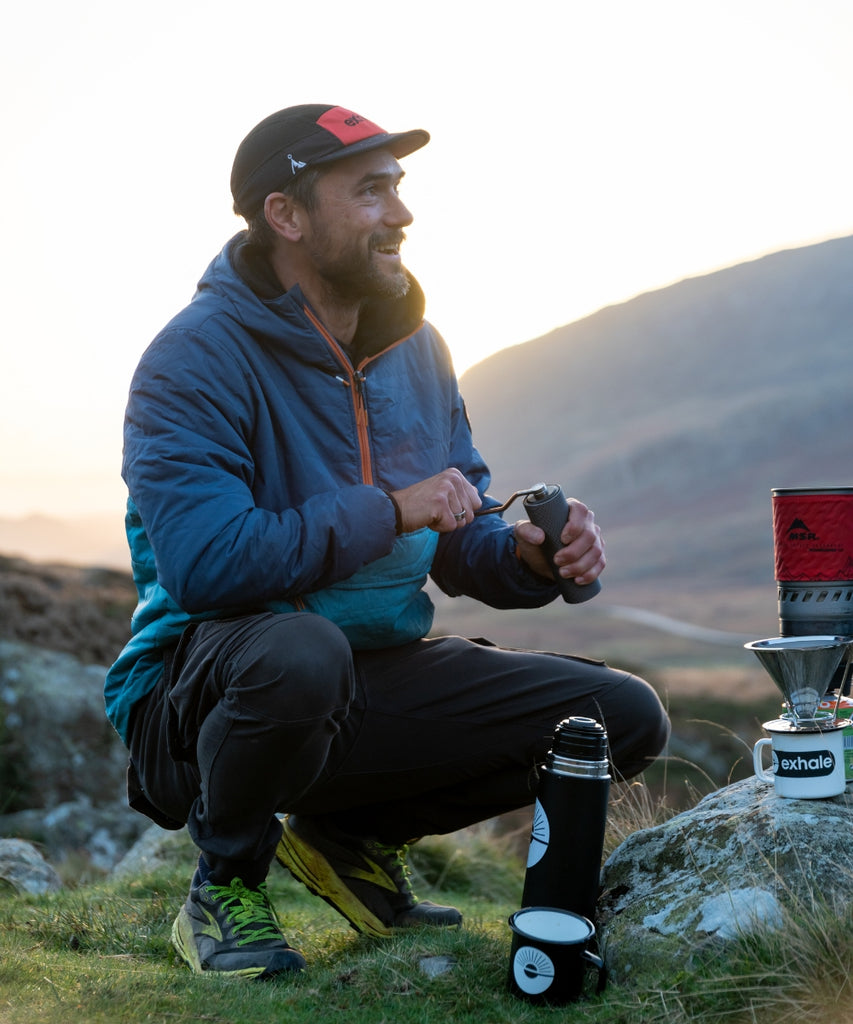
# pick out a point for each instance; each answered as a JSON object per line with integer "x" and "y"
{"x": 739, "y": 861}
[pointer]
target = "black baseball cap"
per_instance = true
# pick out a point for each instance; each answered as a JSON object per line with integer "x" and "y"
{"x": 287, "y": 142}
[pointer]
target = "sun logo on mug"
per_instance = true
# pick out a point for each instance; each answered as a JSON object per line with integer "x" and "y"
{"x": 533, "y": 970}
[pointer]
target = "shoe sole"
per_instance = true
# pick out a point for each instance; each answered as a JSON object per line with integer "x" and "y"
{"x": 309, "y": 866}
{"x": 183, "y": 940}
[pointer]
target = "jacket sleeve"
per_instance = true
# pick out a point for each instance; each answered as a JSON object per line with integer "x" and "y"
{"x": 481, "y": 561}
{"x": 189, "y": 470}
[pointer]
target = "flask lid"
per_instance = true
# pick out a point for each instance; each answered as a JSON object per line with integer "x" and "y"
{"x": 580, "y": 739}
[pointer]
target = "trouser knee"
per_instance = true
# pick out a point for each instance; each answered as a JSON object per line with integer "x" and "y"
{"x": 299, "y": 667}
{"x": 645, "y": 729}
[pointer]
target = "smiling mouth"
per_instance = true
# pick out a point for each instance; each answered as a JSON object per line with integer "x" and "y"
{"x": 389, "y": 247}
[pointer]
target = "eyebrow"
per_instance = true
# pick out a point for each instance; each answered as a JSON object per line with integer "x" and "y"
{"x": 395, "y": 176}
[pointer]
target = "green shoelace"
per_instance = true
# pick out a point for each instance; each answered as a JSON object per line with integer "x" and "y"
{"x": 395, "y": 864}
{"x": 248, "y": 911}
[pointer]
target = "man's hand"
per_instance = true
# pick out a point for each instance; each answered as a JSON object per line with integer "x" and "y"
{"x": 582, "y": 556}
{"x": 443, "y": 502}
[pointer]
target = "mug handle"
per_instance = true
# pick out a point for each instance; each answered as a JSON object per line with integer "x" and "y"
{"x": 760, "y": 770}
{"x": 598, "y": 963}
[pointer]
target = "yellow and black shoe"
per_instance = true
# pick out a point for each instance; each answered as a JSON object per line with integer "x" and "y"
{"x": 232, "y": 930}
{"x": 364, "y": 880}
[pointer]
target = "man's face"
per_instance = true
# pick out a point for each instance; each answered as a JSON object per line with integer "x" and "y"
{"x": 355, "y": 230}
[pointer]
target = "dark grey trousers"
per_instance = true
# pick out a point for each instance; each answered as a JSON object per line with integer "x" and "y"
{"x": 275, "y": 713}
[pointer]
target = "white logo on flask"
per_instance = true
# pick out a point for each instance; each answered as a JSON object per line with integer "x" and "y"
{"x": 540, "y": 836}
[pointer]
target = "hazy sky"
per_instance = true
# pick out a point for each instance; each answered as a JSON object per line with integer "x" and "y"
{"x": 581, "y": 153}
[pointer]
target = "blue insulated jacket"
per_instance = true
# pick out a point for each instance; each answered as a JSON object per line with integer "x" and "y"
{"x": 257, "y": 453}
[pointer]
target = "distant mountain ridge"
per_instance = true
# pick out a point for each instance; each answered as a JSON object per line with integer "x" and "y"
{"x": 675, "y": 413}
{"x": 96, "y": 540}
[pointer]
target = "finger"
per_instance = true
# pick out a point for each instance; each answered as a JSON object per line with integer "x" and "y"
{"x": 590, "y": 574}
{"x": 453, "y": 514}
{"x": 464, "y": 501}
{"x": 461, "y": 517}
{"x": 471, "y": 500}
{"x": 577, "y": 548}
{"x": 581, "y": 518}
{"x": 527, "y": 531}
{"x": 587, "y": 564}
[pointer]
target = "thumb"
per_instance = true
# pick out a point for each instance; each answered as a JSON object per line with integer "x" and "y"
{"x": 527, "y": 532}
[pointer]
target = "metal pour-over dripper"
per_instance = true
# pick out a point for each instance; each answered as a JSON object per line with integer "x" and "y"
{"x": 802, "y": 667}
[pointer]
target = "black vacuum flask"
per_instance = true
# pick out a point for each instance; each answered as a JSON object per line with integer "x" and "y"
{"x": 566, "y": 844}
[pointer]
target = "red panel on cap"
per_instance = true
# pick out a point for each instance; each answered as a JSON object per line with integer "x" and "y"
{"x": 348, "y": 126}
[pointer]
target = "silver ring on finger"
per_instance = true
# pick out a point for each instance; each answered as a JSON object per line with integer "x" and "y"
{"x": 460, "y": 516}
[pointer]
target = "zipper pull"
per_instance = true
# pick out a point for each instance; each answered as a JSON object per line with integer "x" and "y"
{"x": 361, "y": 404}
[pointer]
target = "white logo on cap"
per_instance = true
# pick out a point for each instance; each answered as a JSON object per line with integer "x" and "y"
{"x": 295, "y": 165}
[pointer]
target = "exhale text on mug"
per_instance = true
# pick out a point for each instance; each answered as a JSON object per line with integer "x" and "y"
{"x": 806, "y": 765}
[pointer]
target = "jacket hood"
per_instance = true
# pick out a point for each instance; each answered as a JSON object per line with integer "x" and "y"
{"x": 242, "y": 275}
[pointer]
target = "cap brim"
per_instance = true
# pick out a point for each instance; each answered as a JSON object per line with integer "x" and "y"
{"x": 400, "y": 144}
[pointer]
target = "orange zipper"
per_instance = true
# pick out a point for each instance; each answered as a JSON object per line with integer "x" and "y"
{"x": 355, "y": 380}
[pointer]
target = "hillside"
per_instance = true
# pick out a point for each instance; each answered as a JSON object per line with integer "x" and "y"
{"x": 74, "y": 610}
{"x": 675, "y": 413}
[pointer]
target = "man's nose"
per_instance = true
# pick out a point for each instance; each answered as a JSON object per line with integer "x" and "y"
{"x": 398, "y": 213}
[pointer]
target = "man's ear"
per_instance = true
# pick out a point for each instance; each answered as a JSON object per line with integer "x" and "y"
{"x": 284, "y": 216}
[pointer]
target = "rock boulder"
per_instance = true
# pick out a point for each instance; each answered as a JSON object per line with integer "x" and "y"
{"x": 24, "y": 869}
{"x": 62, "y": 765}
{"x": 739, "y": 860}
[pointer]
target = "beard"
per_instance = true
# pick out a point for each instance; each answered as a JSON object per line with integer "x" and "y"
{"x": 355, "y": 274}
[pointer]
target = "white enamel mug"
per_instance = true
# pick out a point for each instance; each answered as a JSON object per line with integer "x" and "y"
{"x": 807, "y": 764}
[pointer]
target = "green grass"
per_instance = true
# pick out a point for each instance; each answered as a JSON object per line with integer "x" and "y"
{"x": 100, "y": 954}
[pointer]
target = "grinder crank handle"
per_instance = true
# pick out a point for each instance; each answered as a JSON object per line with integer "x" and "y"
{"x": 548, "y": 509}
